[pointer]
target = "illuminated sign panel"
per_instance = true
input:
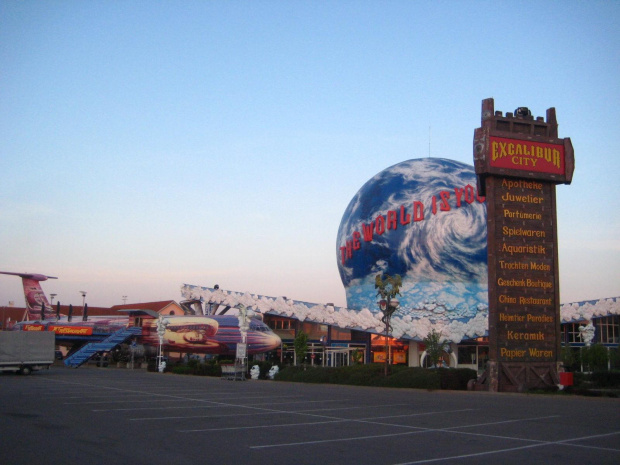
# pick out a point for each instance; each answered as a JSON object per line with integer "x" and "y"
{"x": 33, "y": 328}
{"x": 526, "y": 155}
{"x": 60, "y": 329}
{"x": 72, "y": 330}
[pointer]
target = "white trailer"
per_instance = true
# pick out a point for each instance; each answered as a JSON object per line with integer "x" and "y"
{"x": 25, "y": 351}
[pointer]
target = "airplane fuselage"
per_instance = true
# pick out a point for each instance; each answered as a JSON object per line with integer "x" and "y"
{"x": 216, "y": 334}
{"x": 198, "y": 334}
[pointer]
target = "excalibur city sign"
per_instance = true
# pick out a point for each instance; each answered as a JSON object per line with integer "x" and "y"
{"x": 518, "y": 161}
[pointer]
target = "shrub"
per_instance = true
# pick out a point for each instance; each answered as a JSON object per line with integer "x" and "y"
{"x": 595, "y": 357}
{"x": 372, "y": 375}
{"x": 604, "y": 379}
{"x": 456, "y": 378}
{"x": 614, "y": 358}
{"x": 182, "y": 370}
{"x": 209, "y": 368}
{"x": 301, "y": 347}
{"x": 289, "y": 373}
{"x": 415, "y": 378}
{"x": 571, "y": 358}
{"x": 435, "y": 347}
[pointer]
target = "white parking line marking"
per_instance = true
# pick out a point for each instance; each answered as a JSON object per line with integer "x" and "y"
{"x": 418, "y": 430}
{"x": 530, "y": 446}
{"x": 323, "y": 441}
{"x": 309, "y": 423}
{"x": 341, "y": 420}
{"x": 307, "y": 412}
{"x": 212, "y": 406}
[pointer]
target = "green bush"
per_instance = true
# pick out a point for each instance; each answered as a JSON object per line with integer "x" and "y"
{"x": 435, "y": 347}
{"x": 192, "y": 367}
{"x": 456, "y": 379}
{"x": 182, "y": 370}
{"x": 289, "y": 373}
{"x": 614, "y": 358}
{"x": 373, "y": 375}
{"x": 595, "y": 357}
{"x": 209, "y": 368}
{"x": 414, "y": 378}
{"x": 571, "y": 358}
{"x": 301, "y": 347}
{"x": 602, "y": 379}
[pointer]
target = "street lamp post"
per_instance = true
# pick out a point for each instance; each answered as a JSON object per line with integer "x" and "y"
{"x": 83, "y": 300}
{"x": 161, "y": 330}
{"x": 245, "y": 316}
{"x": 388, "y": 289}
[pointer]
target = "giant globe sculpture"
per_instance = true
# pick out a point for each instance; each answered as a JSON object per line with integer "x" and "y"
{"x": 423, "y": 220}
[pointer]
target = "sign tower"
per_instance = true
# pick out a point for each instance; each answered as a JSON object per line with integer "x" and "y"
{"x": 518, "y": 161}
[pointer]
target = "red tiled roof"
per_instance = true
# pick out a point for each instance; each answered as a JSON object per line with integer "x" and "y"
{"x": 92, "y": 311}
{"x": 20, "y": 313}
{"x": 155, "y": 306}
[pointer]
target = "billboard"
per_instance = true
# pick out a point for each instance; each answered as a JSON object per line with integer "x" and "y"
{"x": 518, "y": 161}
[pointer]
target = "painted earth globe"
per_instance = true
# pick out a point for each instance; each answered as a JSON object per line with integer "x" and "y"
{"x": 423, "y": 220}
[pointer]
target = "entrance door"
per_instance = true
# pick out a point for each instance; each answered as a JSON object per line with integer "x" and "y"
{"x": 339, "y": 358}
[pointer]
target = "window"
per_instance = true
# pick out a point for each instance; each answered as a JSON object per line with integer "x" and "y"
{"x": 608, "y": 329}
{"x": 339, "y": 334}
{"x": 314, "y": 330}
{"x": 280, "y": 324}
{"x": 573, "y": 336}
{"x": 467, "y": 355}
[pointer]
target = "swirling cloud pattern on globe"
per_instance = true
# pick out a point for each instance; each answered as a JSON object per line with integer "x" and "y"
{"x": 421, "y": 219}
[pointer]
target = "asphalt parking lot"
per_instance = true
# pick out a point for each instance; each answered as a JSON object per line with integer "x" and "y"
{"x": 118, "y": 416}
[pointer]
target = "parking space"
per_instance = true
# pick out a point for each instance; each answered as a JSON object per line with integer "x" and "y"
{"x": 104, "y": 415}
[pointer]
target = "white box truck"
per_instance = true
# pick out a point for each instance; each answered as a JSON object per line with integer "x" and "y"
{"x": 25, "y": 351}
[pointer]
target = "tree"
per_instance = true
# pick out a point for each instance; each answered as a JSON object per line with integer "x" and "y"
{"x": 388, "y": 289}
{"x": 595, "y": 357}
{"x": 570, "y": 358}
{"x": 301, "y": 347}
{"x": 435, "y": 347}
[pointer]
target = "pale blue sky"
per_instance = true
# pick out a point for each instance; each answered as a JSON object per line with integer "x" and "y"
{"x": 148, "y": 144}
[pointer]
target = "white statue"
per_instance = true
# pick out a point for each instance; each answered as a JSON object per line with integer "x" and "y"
{"x": 254, "y": 372}
{"x": 273, "y": 371}
{"x": 587, "y": 333}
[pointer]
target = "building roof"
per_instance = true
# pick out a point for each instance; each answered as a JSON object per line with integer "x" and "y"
{"x": 10, "y": 314}
{"x": 17, "y": 314}
{"x": 588, "y": 309}
{"x": 91, "y": 311}
{"x": 155, "y": 306}
{"x": 369, "y": 321}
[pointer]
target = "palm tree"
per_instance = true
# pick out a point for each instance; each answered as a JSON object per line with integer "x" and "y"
{"x": 387, "y": 290}
{"x": 435, "y": 347}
